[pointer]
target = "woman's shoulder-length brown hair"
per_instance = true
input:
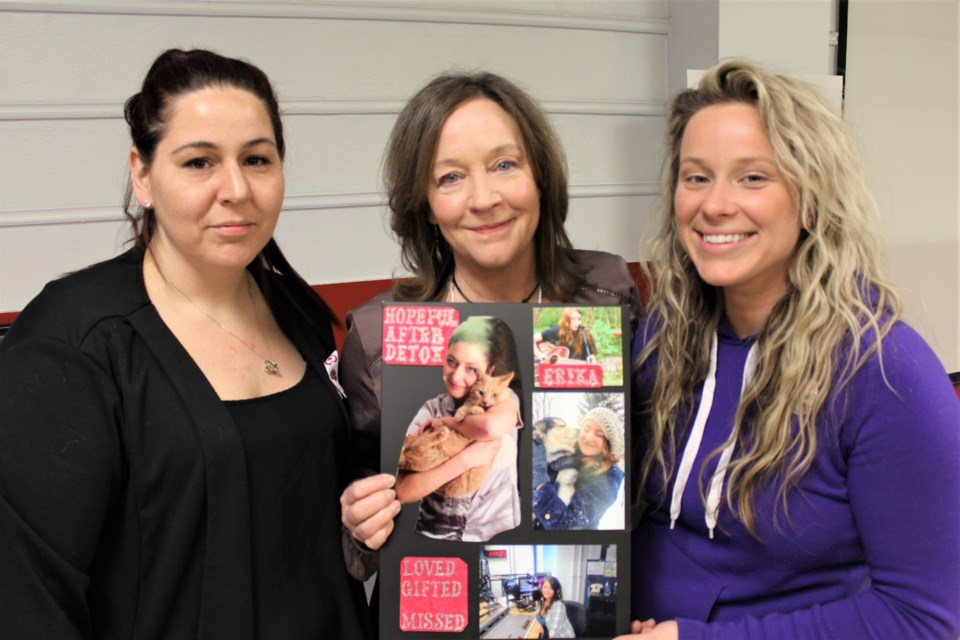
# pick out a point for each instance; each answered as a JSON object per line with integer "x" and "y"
{"x": 407, "y": 171}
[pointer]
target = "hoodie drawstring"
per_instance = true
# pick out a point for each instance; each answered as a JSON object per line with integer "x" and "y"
{"x": 696, "y": 434}
{"x": 715, "y": 489}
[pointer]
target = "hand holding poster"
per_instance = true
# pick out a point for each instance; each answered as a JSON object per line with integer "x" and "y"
{"x": 501, "y": 521}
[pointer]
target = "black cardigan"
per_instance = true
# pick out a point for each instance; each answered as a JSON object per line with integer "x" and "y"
{"x": 123, "y": 489}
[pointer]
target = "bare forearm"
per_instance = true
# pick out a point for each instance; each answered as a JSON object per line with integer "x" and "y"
{"x": 413, "y": 486}
{"x": 493, "y": 424}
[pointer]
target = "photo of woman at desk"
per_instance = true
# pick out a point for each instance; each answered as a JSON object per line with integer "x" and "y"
{"x": 548, "y": 591}
{"x": 552, "y": 614}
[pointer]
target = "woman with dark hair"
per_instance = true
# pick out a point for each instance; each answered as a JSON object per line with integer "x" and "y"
{"x": 481, "y": 346}
{"x": 552, "y": 613}
{"x": 477, "y": 187}
{"x": 800, "y": 442}
{"x": 172, "y": 430}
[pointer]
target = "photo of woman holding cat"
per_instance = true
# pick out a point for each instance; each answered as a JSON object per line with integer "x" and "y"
{"x": 460, "y": 454}
{"x": 578, "y": 472}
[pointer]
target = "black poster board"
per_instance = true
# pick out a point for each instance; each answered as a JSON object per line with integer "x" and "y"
{"x": 478, "y": 589}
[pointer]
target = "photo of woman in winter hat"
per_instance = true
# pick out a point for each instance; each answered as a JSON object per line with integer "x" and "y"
{"x": 578, "y": 467}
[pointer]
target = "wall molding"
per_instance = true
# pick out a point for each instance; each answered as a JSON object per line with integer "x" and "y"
{"x": 13, "y": 111}
{"x": 387, "y": 12}
{"x": 294, "y": 202}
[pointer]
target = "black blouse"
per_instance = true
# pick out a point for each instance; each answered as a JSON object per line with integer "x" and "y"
{"x": 294, "y": 512}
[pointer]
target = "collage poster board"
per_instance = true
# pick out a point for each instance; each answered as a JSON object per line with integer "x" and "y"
{"x": 445, "y": 571}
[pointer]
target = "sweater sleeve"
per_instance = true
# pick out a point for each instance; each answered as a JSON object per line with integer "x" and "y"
{"x": 901, "y": 438}
{"x": 540, "y": 473}
{"x": 551, "y": 334}
{"x": 558, "y": 625}
{"x": 60, "y": 473}
{"x": 360, "y": 377}
{"x": 590, "y": 500}
{"x": 361, "y": 381}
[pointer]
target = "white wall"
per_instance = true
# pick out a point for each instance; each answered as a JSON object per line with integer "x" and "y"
{"x": 694, "y": 40}
{"x": 343, "y": 70}
{"x": 791, "y": 35}
{"x": 902, "y": 90}
{"x": 603, "y": 70}
{"x": 903, "y": 66}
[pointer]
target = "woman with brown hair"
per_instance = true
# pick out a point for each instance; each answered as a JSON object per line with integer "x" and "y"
{"x": 571, "y": 335}
{"x": 477, "y": 188}
{"x": 552, "y": 613}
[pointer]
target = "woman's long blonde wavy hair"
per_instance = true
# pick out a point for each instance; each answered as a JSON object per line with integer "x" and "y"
{"x": 813, "y": 341}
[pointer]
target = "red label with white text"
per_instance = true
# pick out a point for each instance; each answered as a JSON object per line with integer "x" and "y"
{"x": 433, "y": 594}
{"x": 570, "y": 376}
{"x": 417, "y": 335}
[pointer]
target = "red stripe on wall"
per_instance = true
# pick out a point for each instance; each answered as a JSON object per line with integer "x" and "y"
{"x": 344, "y": 296}
{"x": 643, "y": 284}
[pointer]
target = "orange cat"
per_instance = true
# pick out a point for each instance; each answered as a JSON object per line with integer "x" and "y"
{"x": 485, "y": 392}
{"x": 437, "y": 443}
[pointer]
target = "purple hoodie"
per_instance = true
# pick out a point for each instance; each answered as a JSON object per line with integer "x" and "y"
{"x": 871, "y": 544}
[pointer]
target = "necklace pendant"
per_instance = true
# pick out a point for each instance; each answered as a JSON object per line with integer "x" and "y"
{"x": 271, "y": 367}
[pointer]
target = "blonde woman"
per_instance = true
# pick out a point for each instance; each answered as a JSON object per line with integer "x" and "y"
{"x": 800, "y": 442}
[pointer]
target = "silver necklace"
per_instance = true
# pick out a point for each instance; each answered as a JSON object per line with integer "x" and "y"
{"x": 269, "y": 365}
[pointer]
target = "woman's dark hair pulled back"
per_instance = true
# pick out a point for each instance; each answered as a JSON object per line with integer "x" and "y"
{"x": 172, "y": 75}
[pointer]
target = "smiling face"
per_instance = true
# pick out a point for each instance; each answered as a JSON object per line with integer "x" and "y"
{"x": 216, "y": 181}
{"x": 547, "y": 590}
{"x": 462, "y": 366}
{"x": 735, "y": 212}
{"x": 591, "y": 440}
{"x": 482, "y": 192}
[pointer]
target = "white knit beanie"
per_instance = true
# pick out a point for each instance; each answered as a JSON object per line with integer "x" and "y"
{"x": 612, "y": 428}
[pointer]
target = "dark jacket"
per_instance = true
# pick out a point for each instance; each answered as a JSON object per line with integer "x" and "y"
{"x": 124, "y": 508}
{"x": 593, "y": 495}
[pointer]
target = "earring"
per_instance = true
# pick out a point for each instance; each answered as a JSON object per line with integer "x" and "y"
{"x": 147, "y": 204}
{"x": 436, "y": 241}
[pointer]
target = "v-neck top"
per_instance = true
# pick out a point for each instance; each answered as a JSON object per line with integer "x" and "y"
{"x": 294, "y": 510}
